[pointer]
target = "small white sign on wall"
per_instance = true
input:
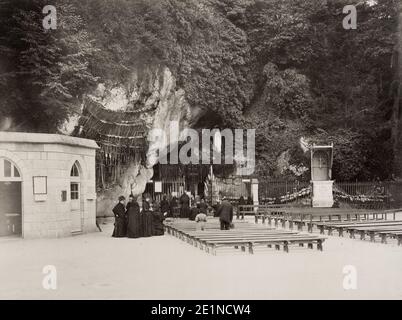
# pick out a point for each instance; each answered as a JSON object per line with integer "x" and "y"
{"x": 158, "y": 186}
{"x": 91, "y": 193}
{"x": 39, "y": 185}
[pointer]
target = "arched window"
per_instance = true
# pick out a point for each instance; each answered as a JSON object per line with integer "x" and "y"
{"x": 74, "y": 170}
{"x": 75, "y": 181}
{"x": 8, "y": 171}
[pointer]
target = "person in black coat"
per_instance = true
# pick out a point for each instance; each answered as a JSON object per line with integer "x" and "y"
{"x": 158, "y": 217}
{"x": 193, "y": 212}
{"x": 203, "y": 206}
{"x": 134, "y": 219}
{"x": 146, "y": 219}
{"x": 242, "y": 202}
{"x": 225, "y": 213}
{"x": 164, "y": 206}
{"x": 216, "y": 208}
{"x": 173, "y": 206}
{"x": 119, "y": 212}
{"x": 185, "y": 205}
{"x": 130, "y": 200}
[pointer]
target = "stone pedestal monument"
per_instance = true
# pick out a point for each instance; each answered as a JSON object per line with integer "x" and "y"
{"x": 321, "y": 173}
{"x": 254, "y": 192}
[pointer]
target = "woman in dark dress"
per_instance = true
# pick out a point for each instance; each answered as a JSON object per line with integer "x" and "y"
{"x": 165, "y": 207}
{"x": 134, "y": 221}
{"x": 173, "y": 206}
{"x": 185, "y": 206}
{"x": 119, "y": 211}
{"x": 158, "y": 217}
{"x": 130, "y": 200}
{"x": 146, "y": 219}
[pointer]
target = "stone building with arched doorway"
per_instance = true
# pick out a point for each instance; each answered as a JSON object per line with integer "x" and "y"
{"x": 47, "y": 185}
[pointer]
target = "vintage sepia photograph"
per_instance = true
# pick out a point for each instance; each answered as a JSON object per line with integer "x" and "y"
{"x": 200, "y": 150}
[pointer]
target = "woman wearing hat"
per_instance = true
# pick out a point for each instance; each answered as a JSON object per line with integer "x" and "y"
{"x": 134, "y": 219}
{"x": 120, "y": 228}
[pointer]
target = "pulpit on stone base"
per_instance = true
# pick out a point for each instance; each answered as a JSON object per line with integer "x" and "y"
{"x": 321, "y": 174}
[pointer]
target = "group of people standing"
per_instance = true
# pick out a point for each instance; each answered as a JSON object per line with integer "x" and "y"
{"x": 132, "y": 222}
{"x": 243, "y": 201}
{"x": 183, "y": 207}
{"x": 224, "y": 210}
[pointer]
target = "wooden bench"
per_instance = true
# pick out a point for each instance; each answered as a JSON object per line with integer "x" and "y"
{"x": 298, "y": 216}
{"x": 283, "y": 240}
{"x": 392, "y": 234}
{"x": 197, "y": 240}
{"x": 373, "y": 230}
{"x": 183, "y": 233}
{"x": 246, "y": 235}
{"x": 349, "y": 226}
{"x": 317, "y": 216}
{"x": 258, "y": 211}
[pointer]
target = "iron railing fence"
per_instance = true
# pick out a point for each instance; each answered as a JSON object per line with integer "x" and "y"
{"x": 284, "y": 191}
{"x": 364, "y": 195}
{"x": 369, "y": 195}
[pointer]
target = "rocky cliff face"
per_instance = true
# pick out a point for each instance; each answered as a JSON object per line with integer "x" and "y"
{"x": 153, "y": 90}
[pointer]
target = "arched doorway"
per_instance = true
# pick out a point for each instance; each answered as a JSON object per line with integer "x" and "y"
{"x": 10, "y": 199}
{"x": 76, "y": 198}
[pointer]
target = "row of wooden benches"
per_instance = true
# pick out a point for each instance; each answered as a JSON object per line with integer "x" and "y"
{"x": 260, "y": 211}
{"x": 364, "y": 222}
{"x": 383, "y": 229}
{"x": 252, "y": 209}
{"x": 245, "y": 236}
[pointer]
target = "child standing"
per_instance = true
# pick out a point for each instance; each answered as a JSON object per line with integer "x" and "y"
{"x": 201, "y": 220}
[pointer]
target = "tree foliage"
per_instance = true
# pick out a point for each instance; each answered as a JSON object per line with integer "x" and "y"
{"x": 286, "y": 68}
{"x": 49, "y": 70}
